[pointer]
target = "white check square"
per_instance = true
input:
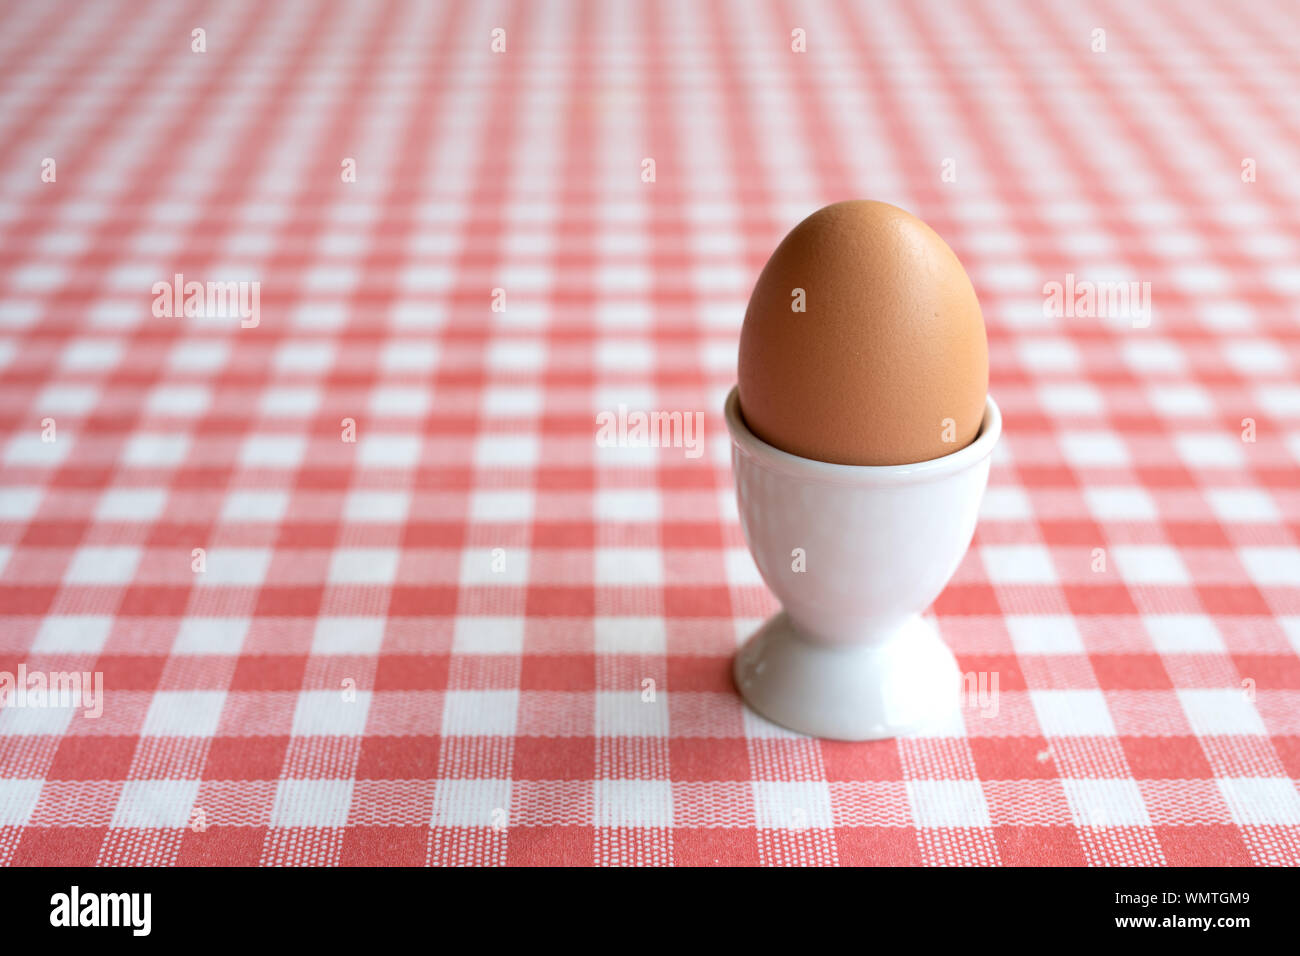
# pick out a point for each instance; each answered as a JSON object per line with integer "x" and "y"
{"x": 302, "y": 356}
{"x": 512, "y": 451}
{"x": 1180, "y": 401}
{"x": 633, "y": 803}
{"x": 273, "y": 451}
{"x": 792, "y": 804}
{"x": 1072, "y": 713}
{"x": 629, "y": 566}
{"x": 377, "y": 507}
{"x": 332, "y": 278}
{"x": 235, "y": 566}
{"x": 130, "y": 504}
{"x": 1105, "y": 803}
{"x": 198, "y": 356}
{"x": 184, "y": 713}
{"x": 66, "y": 399}
{"x": 1018, "y": 564}
{"x": 631, "y": 635}
{"x": 312, "y": 803}
{"x": 418, "y": 315}
{"x": 339, "y": 713}
{"x": 1153, "y": 355}
{"x": 1149, "y": 564}
{"x": 1282, "y": 401}
{"x": 632, "y": 505}
{"x": 424, "y": 278}
{"x": 488, "y": 635}
{"x": 1243, "y": 505}
{"x": 1184, "y": 634}
{"x": 319, "y": 314}
{"x": 1261, "y": 801}
{"x": 401, "y": 401}
{"x": 521, "y": 355}
{"x": 1210, "y": 450}
{"x": 625, "y": 713}
{"x": 364, "y": 566}
{"x": 611, "y": 455}
{"x": 501, "y": 506}
{"x": 1221, "y": 710}
{"x": 155, "y": 451}
{"x": 73, "y": 634}
{"x": 623, "y": 397}
{"x": 93, "y": 565}
{"x": 36, "y": 721}
{"x": 210, "y": 635}
{"x": 389, "y": 451}
{"x": 1115, "y": 503}
{"x": 1291, "y": 627}
{"x": 1048, "y": 354}
{"x": 1200, "y": 278}
{"x": 1044, "y": 634}
{"x": 948, "y": 803}
{"x": 1272, "y": 566}
{"x": 623, "y": 277}
{"x": 628, "y": 314}
{"x": 629, "y": 354}
{"x": 19, "y": 504}
{"x": 91, "y": 354}
{"x": 1071, "y": 399}
{"x": 494, "y": 566}
{"x": 1253, "y": 357}
{"x": 290, "y": 401}
{"x": 115, "y": 314}
{"x": 511, "y": 401}
{"x": 179, "y": 400}
{"x": 410, "y": 355}
{"x": 1094, "y": 450}
{"x": 1283, "y": 279}
{"x": 254, "y": 507}
{"x": 18, "y": 798}
{"x": 471, "y": 802}
{"x": 156, "y": 804}
{"x": 21, "y": 315}
{"x": 741, "y": 569}
{"x": 480, "y": 712}
{"x": 360, "y": 636}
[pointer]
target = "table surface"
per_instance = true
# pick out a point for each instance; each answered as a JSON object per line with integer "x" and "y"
{"x": 432, "y": 644}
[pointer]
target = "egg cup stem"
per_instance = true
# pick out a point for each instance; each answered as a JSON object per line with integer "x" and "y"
{"x": 905, "y": 684}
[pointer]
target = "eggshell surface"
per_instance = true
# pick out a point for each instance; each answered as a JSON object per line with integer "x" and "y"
{"x": 887, "y": 364}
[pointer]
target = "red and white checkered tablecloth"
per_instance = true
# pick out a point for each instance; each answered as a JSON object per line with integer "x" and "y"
{"x": 434, "y": 644}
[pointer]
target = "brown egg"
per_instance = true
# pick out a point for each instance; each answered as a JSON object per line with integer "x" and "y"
{"x": 887, "y": 364}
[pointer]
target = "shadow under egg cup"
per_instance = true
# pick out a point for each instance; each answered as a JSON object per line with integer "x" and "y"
{"x": 850, "y": 657}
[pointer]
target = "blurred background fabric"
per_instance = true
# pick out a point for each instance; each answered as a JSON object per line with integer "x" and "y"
{"x": 363, "y": 586}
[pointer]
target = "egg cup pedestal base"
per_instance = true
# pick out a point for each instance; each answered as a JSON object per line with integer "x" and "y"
{"x": 902, "y": 685}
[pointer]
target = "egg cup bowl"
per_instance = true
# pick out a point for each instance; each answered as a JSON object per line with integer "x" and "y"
{"x": 855, "y": 553}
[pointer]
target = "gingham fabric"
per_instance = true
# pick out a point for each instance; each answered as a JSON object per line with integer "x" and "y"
{"x": 474, "y": 635}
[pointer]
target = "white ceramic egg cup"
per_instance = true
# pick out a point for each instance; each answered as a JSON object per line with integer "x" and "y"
{"x": 850, "y": 657}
